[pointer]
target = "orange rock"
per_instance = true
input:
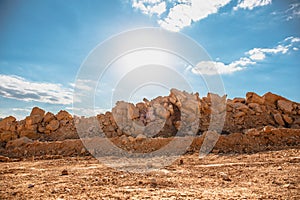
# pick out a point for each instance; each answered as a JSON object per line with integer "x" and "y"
{"x": 285, "y": 106}
{"x": 133, "y": 112}
{"x": 48, "y": 117}
{"x": 53, "y": 125}
{"x": 268, "y": 129}
{"x": 239, "y": 114}
{"x": 287, "y": 119}
{"x": 271, "y": 98}
{"x": 252, "y": 97}
{"x": 18, "y": 142}
{"x": 29, "y": 134}
{"x": 7, "y": 122}
{"x": 239, "y": 100}
{"x": 252, "y": 132}
{"x": 37, "y": 111}
{"x": 278, "y": 119}
{"x": 6, "y": 136}
{"x": 63, "y": 115}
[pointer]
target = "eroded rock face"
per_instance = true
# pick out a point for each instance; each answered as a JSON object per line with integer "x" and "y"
{"x": 37, "y": 111}
{"x": 180, "y": 113}
{"x": 252, "y": 97}
{"x": 285, "y": 106}
{"x": 7, "y": 123}
{"x": 53, "y": 125}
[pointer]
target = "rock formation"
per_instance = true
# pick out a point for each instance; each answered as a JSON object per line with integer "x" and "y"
{"x": 179, "y": 113}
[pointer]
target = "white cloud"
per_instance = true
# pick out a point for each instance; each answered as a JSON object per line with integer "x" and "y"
{"x": 86, "y": 111}
{"x": 250, "y": 4}
{"x": 286, "y": 45}
{"x": 21, "y": 109}
{"x": 18, "y": 113}
{"x": 253, "y": 56}
{"x": 16, "y": 87}
{"x": 212, "y": 67}
{"x": 178, "y": 14}
{"x": 260, "y": 53}
{"x": 150, "y": 7}
{"x": 182, "y": 13}
{"x": 257, "y": 55}
{"x": 84, "y": 84}
{"x": 293, "y": 11}
{"x": 293, "y": 39}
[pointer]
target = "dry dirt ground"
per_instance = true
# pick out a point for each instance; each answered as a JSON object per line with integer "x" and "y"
{"x": 264, "y": 175}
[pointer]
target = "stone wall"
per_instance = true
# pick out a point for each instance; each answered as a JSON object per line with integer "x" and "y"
{"x": 179, "y": 114}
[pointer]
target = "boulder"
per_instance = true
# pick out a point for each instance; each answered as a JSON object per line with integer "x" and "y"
{"x": 53, "y": 125}
{"x": 252, "y": 132}
{"x": 161, "y": 112}
{"x": 256, "y": 107}
{"x": 36, "y": 119}
{"x": 18, "y": 142}
{"x": 29, "y": 134}
{"x": 4, "y": 159}
{"x": 133, "y": 112}
{"x": 252, "y": 97}
{"x": 37, "y": 111}
{"x": 48, "y": 117}
{"x": 33, "y": 119}
{"x": 239, "y": 114}
{"x": 239, "y": 100}
{"x": 20, "y": 127}
{"x": 7, "y": 122}
{"x": 6, "y": 136}
{"x": 271, "y": 98}
{"x": 28, "y": 121}
{"x": 63, "y": 115}
{"x": 41, "y": 129}
{"x": 278, "y": 119}
{"x": 285, "y": 106}
{"x": 241, "y": 107}
{"x": 268, "y": 129}
{"x": 32, "y": 127}
{"x": 287, "y": 119}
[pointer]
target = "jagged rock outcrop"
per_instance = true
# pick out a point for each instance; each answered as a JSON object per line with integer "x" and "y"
{"x": 179, "y": 113}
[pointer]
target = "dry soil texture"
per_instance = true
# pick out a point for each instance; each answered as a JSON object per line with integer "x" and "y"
{"x": 264, "y": 175}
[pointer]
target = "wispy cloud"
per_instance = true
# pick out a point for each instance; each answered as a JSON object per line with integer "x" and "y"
{"x": 86, "y": 111}
{"x": 16, "y": 87}
{"x": 18, "y": 113}
{"x": 293, "y": 12}
{"x": 290, "y": 13}
{"x": 250, "y": 4}
{"x": 252, "y": 57}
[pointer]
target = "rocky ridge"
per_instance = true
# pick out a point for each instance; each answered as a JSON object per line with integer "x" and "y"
{"x": 178, "y": 114}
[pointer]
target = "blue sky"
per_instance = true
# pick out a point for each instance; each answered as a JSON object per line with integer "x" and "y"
{"x": 253, "y": 43}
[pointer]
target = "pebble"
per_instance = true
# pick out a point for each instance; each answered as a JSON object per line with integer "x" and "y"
{"x": 64, "y": 172}
{"x": 4, "y": 159}
{"x": 153, "y": 183}
{"x": 180, "y": 162}
{"x": 224, "y": 176}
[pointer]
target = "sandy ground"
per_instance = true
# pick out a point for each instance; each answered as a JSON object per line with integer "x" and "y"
{"x": 265, "y": 175}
